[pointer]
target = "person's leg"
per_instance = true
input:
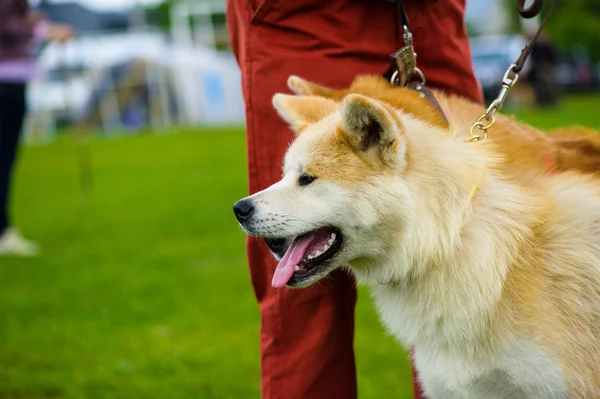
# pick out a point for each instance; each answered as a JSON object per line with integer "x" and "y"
{"x": 307, "y": 335}
{"x": 12, "y": 113}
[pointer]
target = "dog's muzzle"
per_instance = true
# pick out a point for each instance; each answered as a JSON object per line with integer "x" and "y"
{"x": 243, "y": 210}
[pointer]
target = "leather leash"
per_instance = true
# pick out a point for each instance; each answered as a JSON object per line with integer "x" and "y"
{"x": 405, "y": 65}
{"x": 532, "y": 11}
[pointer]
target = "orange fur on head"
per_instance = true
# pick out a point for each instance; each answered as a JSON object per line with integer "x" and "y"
{"x": 300, "y": 112}
{"x": 522, "y": 146}
{"x": 409, "y": 101}
{"x": 369, "y": 127}
{"x": 304, "y": 87}
{"x": 369, "y": 134}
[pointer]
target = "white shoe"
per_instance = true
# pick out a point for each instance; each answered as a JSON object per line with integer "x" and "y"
{"x": 12, "y": 243}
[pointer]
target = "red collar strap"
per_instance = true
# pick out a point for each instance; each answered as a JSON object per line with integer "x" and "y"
{"x": 551, "y": 165}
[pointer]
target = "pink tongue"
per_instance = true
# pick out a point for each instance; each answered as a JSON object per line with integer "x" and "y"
{"x": 293, "y": 255}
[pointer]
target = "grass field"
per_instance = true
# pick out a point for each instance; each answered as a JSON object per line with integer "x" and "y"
{"x": 142, "y": 291}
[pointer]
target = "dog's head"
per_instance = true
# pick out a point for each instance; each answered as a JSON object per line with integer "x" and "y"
{"x": 345, "y": 197}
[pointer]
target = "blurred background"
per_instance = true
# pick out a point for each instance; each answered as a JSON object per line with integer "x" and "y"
{"x": 141, "y": 289}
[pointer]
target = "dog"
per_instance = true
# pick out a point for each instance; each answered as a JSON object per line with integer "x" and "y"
{"x": 479, "y": 259}
{"x": 523, "y": 147}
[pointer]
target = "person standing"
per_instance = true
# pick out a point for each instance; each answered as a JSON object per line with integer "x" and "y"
{"x": 19, "y": 26}
{"x": 306, "y": 336}
{"x": 542, "y": 74}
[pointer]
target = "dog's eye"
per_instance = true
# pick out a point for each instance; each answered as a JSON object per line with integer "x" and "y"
{"x": 305, "y": 179}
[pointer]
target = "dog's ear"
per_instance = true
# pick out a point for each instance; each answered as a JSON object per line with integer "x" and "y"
{"x": 372, "y": 127}
{"x": 305, "y": 88}
{"x": 301, "y": 111}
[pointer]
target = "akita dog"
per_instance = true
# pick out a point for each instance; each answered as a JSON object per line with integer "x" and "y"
{"x": 493, "y": 276}
{"x": 523, "y": 147}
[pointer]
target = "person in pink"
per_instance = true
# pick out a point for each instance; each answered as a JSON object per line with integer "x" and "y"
{"x": 19, "y": 26}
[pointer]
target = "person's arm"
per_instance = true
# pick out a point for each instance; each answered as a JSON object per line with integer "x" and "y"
{"x": 13, "y": 25}
{"x": 43, "y": 29}
{"x": 59, "y": 32}
{"x": 33, "y": 23}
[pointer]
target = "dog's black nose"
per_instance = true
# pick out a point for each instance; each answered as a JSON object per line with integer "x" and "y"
{"x": 243, "y": 209}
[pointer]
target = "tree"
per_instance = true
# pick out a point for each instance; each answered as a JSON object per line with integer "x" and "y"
{"x": 574, "y": 23}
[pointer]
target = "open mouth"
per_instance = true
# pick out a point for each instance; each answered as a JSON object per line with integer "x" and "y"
{"x": 308, "y": 255}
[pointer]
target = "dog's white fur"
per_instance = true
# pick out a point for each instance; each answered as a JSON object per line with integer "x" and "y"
{"x": 493, "y": 279}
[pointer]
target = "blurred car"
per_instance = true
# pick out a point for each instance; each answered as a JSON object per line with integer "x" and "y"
{"x": 492, "y": 55}
{"x": 576, "y": 72}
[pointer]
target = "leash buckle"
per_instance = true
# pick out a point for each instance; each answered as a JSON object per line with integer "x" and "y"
{"x": 508, "y": 81}
{"x": 405, "y": 62}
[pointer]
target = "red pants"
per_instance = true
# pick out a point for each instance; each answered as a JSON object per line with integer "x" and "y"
{"x": 306, "y": 335}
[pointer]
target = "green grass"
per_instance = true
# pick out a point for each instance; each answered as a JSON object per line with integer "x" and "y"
{"x": 142, "y": 290}
{"x": 576, "y": 110}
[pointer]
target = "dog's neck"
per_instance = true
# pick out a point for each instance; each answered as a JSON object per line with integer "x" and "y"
{"x": 446, "y": 274}
{"x": 450, "y": 297}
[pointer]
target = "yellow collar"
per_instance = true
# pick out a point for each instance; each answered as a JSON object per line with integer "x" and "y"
{"x": 476, "y": 186}
{"x": 473, "y": 192}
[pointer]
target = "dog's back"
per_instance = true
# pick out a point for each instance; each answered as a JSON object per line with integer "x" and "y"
{"x": 569, "y": 275}
{"x": 578, "y": 148}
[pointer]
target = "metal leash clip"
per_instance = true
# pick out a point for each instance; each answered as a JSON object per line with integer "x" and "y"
{"x": 512, "y": 73}
{"x": 405, "y": 62}
{"x": 508, "y": 81}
